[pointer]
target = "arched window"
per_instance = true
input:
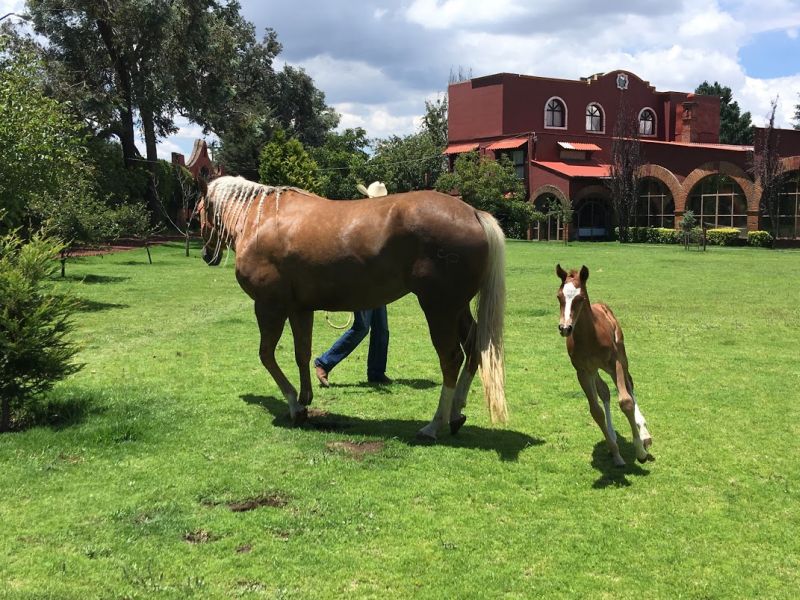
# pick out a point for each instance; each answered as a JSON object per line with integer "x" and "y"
{"x": 656, "y": 208}
{"x": 718, "y": 201}
{"x": 551, "y": 228}
{"x": 594, "y": 118}
{"x": 647, "y": 122}
{"x": 555, "y": 113}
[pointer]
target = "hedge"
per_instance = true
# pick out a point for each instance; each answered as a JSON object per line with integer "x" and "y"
{"x": 723, "y": 236}
{"x": 760, "y": 239}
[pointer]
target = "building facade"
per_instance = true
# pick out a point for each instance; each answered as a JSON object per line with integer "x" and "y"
{"x": 558, "y": 134}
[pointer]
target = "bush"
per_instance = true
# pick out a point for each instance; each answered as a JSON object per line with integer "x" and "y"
{"x": 760, "y": 239}
{"x": 34, "y": 323}
{"x": 723, "y": 236}
{"x": 652, "y": 235}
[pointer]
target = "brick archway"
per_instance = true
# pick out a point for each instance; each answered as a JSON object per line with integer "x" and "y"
{"x": 666, "y": 177}
{"x": 591, "y": 190}
{"x": 791, "y": 163}
{"x": 549, "y": 189}
{"x": 749, "y": 189}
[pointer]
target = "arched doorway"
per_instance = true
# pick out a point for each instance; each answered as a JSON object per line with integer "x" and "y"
{"x": 656, "y": 206}
{"x": 718, "y": 201}
{"x": 551, "y": 228}
{"x": 593, "y": 218}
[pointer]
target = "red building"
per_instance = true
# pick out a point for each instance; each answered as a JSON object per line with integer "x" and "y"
{"x": 558, "y": 134}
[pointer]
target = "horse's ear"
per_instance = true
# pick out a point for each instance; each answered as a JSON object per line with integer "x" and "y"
{"x": 584, "y": 274}
{"x": 561, "y": 273}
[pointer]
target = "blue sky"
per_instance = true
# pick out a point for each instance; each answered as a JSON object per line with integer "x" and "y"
{"x": 378, "y": 62}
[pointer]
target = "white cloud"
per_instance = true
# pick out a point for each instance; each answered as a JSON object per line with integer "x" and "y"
{"x": 442, "y": 15}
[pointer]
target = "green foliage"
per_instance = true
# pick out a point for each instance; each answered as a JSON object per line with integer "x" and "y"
{"x": 797, "y": 116}
{"x": 342, "y": 163}
{"x": 412, "y": 162}
{"x": 760, "y": 239}
{"x": 735, "y": 127}
{"x": 688, "y": 222}
{"x": 491, "y": 185}
{"x": 723, "y": 236}
{"x": 285, "y": 162}
{"x": 434, "y": 121}
{"x": 299, "y": 108}
{"x": 41, "y": 147}
{"x": 35, "y": 351}
{"x": 115, "y": 182}
{"x": 134, "y": 221}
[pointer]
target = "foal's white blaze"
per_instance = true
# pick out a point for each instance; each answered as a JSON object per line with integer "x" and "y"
{"x": 570, "y": 293}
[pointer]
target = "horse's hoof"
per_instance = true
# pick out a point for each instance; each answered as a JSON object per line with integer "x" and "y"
{"x": 300, "y": 417}
{"x": 456, "y": 424}
{"x": 648, "y": 458}
{"x": 426, "y": 438}
{"x": 647, "y": 442}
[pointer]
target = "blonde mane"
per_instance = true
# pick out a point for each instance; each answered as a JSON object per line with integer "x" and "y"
{"x": 231, "y": 199}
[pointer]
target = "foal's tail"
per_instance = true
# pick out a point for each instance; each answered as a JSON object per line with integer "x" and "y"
{"x": 491, "y": 308}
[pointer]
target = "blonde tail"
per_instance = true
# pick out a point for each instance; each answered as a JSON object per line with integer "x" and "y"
{"x": 491, "y": 308}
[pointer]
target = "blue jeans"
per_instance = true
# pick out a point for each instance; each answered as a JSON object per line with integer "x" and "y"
{"x": 363, "y": 321}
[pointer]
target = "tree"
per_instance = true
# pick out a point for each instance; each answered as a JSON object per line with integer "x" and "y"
{"x": 797, "y": 115}
{"x": 626, "y": 162}
{"x": 120, "y": 60}
{"x": 41, "y": 146}
{"x": 411, "y": 162}
{"x": 434, "y": 122}
{"x": 768, "y": 171}
{"x": 134, "y": 220}
{"x": 561, "y": 210}
{"x": 490, "y": 185}
{"x": 35, "y": 350}
{"x": 342, "y": 163}
{"x": 285, "y": 162}
{"x": 735, "y": 127}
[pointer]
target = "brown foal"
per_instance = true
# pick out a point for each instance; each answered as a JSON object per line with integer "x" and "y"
{"x": 594, "y": 343}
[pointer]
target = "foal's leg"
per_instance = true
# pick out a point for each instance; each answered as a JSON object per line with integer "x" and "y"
{"x": 270, "y": 323}
{"x": 444, "y": 334}
{"x": 466, "y": 333}
{"x": 302, "y": 324}
{"x": 588, "y": 381}
{"x": 628, "y": 405}
{"x": 605, "y": 396}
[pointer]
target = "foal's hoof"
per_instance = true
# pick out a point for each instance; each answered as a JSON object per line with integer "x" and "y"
{"x": 648, "y": 458}
{"x": 300, "y": 417}
{"x": 456, "y": 424}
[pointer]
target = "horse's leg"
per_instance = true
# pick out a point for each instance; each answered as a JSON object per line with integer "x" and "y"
{"x": 270, "y": 323}
{"x": 443, "y": 327}
{"x": 605, "y": 396}
{"x": 588, "y": 381}
{"x": 641, "y": 424}
{"x": 302, "y": 323}
{"x": 627, "y": 403}
{"x": 466, "y": 333}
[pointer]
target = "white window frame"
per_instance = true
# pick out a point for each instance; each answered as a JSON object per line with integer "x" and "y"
{"x": 655, "y": 122}
{"x": 602, "y": 118}
{"x": 566, "y": 113}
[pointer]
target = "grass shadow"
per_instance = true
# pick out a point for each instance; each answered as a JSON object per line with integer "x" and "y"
{"x": 612, "y": 475}
{"x": 508, "y": 444}
{"x": 93, "y": 279}
{"x": 417, "y": 384}
{"x": 59, "y": 413}
{"x": 85, "y": 305}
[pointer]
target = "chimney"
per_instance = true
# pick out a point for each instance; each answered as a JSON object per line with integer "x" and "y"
{"x": 688, "y": 134}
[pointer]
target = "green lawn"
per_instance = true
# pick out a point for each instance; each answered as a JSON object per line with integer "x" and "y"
{"x": 121, "y": 488}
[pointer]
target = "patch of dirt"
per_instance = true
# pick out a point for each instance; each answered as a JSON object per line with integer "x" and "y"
{"x": 70, "y": 458}
{"x": 274, "y": 500}
{"x": 356, "y": 450}
{"x": 122, "y": 245}
{"x": 244, "y": 549}
{"x": 317, "y": 412}
{"x": 201, "y": 536}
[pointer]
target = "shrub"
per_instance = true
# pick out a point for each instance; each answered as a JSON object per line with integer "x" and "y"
{"x": 663, "y": 235}
{"x": 723, "y": 236}
{"x": 760, "y": 239}
{"x": 34, "y": 323}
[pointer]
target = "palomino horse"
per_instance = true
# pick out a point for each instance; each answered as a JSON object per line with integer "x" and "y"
{"x": 297, "y": 252}
{"x": 594, "y": 342}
